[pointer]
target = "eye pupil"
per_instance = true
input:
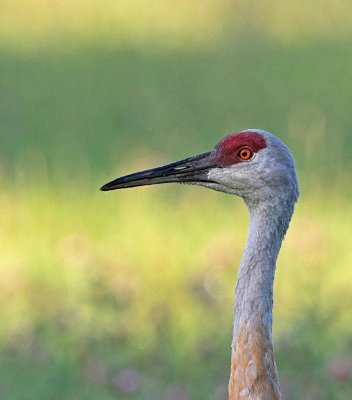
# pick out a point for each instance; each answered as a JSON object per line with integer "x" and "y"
{"x": 245, "y": 154}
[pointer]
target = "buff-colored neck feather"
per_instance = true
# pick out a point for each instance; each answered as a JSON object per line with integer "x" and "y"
{"x": 253, "y": 369}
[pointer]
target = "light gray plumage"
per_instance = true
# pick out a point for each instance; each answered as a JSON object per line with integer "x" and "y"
{"x": 269, "y": 187}
{"x": 267, "y": 182}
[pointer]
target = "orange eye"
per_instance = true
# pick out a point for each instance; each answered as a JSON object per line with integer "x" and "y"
{"x": 245, "y": 154}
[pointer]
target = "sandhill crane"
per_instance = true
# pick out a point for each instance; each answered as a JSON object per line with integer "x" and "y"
{"x": 258, "y": 167}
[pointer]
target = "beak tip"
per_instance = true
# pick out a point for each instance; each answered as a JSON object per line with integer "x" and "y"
{"x": 104, "y": 188}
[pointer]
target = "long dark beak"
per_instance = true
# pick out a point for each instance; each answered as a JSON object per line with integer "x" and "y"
{"x": 191, "y": 170}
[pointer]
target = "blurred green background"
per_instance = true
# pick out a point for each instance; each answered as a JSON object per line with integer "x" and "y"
{"x": 129, "y": 295}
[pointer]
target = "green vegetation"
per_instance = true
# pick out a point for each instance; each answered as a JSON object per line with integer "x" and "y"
{"x": 129, "y": 295}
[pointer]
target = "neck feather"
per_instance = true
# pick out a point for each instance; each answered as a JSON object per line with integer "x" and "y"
{"x": 253, "y": 367}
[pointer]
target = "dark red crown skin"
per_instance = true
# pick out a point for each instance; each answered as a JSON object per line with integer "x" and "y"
{"x": 226, "y": 150}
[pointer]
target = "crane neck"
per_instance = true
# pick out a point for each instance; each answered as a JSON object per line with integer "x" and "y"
{"x": 253, "y": 367}
{"x": 254, "y": 291}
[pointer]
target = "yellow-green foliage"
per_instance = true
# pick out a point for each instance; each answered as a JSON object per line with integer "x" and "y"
{"x": 156, "y": 267}
{"x": 33, "y": 23}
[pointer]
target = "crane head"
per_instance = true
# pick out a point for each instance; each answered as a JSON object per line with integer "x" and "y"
{"x": 252, "y": 164}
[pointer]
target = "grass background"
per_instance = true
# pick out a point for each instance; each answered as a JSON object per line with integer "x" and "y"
{"x": 129, "y": 295}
